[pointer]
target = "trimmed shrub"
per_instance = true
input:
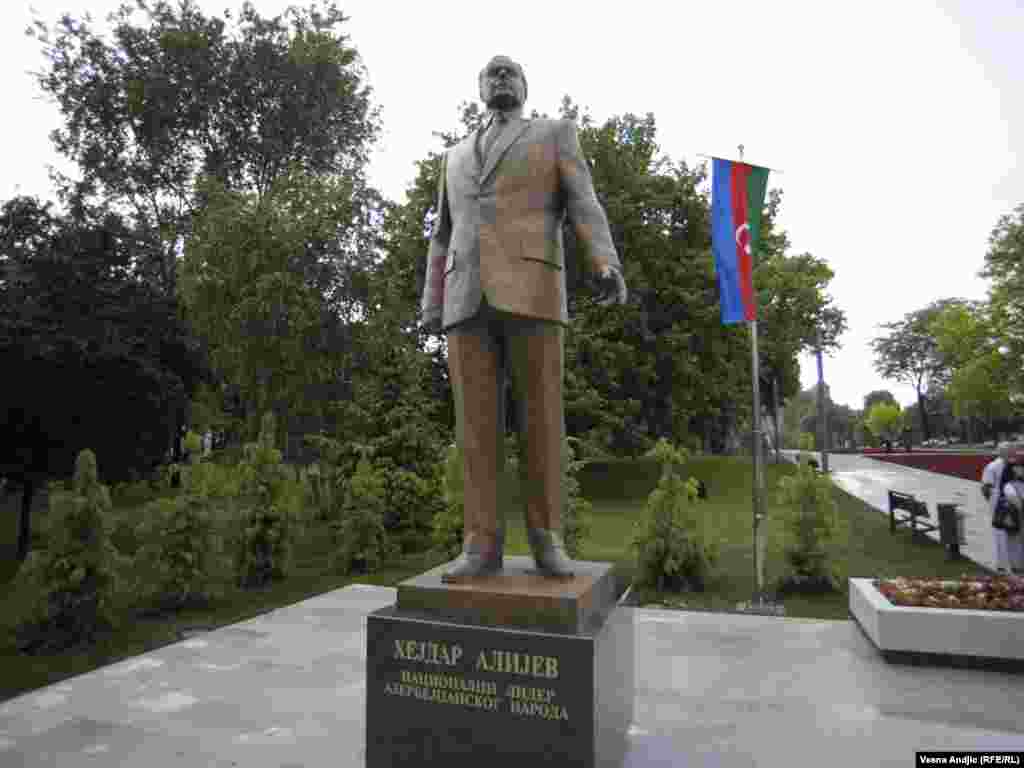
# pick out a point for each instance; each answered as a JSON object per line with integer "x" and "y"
{"x": 326, "y": 480}
{"x": 269, "y": 488}
{"x": 673, "y": 550}
{"x": 810, "y": 526}
{"x": 807, "y": 444}
{"x": 577, "y": 520}
{"x": 449, "y": 519}
{"x": 410, "y": 504}
{"x": 361, "y": 542}
{"x": 180, "y": 562}
{"x": 323, "y": 489}
{"x": 76, "y": 577}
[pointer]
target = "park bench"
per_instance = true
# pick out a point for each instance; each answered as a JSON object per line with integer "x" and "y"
{"x": 908, "y": 511}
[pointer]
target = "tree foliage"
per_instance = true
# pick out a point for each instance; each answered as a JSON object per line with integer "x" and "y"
{"x": 257, "y": 295}
{"x": 179, "y": 94}
{"x": 981, "y": 380}
{"x": 909, "y": 352}
{"x": 1004, "y": 267}
{"x": 878, "y": 396}
{"x": 662, "y": 365}
{"x": 885, "y": 420}
{"x": 74, "y": 318}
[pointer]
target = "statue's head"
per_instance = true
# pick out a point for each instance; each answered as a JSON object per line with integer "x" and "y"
{"x": 502, "y": 84}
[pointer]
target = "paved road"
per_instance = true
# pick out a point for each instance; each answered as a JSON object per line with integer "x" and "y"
{"x": 870, "y": 480}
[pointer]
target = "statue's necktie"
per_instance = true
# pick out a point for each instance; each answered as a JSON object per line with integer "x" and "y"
{"x": 498, "y": 124}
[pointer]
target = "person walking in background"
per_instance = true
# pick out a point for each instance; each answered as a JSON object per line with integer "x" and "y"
{"x": 991, "y": 488}
{"x": 1012, "y": 485}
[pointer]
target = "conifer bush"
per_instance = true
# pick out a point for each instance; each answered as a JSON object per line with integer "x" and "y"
{"x": 180, "y": 559}
{"x": 577, "y": 520}
{"x": 268, "y": 514}
{"x": 361, "y": 542}
{"x": 811, "y": 526}
{"x": 449, "y": 519}
{"x": 410, "y": 505}
{"x": 807, "y": 445}
{"x": 674, "y": 550}
{"x": 76, "y": 577}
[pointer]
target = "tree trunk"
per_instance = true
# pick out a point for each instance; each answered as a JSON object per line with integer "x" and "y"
{"x": 925, "y": 430}
{"x": 25, "y": 519}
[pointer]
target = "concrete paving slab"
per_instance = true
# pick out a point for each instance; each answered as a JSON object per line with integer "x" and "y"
{"x": 287, "y": 689}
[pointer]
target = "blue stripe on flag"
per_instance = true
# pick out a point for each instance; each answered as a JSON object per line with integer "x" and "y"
{"x": 723, "y": 242}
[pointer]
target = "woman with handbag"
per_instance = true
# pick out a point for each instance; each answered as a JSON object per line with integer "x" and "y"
{"x": 992, "y": 490}
{"x": 1009, "y": 510}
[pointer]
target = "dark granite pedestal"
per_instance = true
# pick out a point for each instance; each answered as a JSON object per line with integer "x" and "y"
{"x": 512, "y": 669}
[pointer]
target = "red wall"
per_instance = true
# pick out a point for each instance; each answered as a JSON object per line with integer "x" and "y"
{"x": 965, "y": 465}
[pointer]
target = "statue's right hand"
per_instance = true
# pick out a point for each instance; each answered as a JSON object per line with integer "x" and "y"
{"x": 432, "y": 324}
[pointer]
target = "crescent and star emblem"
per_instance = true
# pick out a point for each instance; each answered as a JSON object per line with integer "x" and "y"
{"x": 743, "y": 237}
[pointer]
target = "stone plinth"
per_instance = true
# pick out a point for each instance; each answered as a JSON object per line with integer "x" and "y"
{"x": 512, "y": 669}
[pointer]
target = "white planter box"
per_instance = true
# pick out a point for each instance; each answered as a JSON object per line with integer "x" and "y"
{"x": 952, "y": 632}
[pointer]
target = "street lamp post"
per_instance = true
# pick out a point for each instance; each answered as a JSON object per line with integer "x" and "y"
{"x": 822, "y": 410}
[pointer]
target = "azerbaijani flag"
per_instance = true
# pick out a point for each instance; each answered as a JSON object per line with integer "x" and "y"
{"x": 737, "y": 197}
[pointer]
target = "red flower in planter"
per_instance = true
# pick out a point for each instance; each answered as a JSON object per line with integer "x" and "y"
{"x": 990, "y": 593}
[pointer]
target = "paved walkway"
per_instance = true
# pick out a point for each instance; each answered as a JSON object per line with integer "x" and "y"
{"x": 870, "y": 480}
{"x": 287, "y": 690}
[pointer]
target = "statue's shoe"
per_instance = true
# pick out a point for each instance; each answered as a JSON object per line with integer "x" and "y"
{"x": 476, "y": 564}
{"x": 549, "y": 553}
{"x": 471, "y": 566}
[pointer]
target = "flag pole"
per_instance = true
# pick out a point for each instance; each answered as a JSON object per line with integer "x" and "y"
{"x": 758, "y": 463}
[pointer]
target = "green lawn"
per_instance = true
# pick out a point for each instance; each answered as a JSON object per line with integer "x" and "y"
{"x": 617, "y": 493}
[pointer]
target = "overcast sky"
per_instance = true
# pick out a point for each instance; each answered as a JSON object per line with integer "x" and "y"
{"x": 898, "y": 125}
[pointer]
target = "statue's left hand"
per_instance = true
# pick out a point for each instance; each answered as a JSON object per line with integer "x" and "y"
{"x": 613, "y": 286}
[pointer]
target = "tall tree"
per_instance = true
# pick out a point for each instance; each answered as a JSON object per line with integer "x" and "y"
{"x": 981, "y": 384}
{"x": 178, "y": 120}
{"x": 73, "y": 319}
{"x": 878, "y": 396}
{"x": 885, "y": 420}
{"x": 249, "y": 291}
{"x": 180, "y": 94}
{"x": 1004, "y": 267}
{"x": 910, "y": 353}
{"x": 694, "y": 372}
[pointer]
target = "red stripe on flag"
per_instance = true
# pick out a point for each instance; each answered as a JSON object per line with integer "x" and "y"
{"x": 741, "y": 217}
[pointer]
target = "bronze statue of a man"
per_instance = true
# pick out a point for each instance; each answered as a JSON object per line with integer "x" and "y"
{"x": 495, "y": 285}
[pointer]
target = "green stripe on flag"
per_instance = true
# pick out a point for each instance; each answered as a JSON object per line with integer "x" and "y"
{"x": 757, "y": 185}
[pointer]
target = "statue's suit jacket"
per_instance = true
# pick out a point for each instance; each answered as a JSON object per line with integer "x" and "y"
{"x": 498, "y": 230}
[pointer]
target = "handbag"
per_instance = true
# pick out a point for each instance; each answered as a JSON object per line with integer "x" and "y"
{"x": 1006, "y": 516}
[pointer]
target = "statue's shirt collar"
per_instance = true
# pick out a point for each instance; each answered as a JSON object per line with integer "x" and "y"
{"x": 515, "y": 114}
